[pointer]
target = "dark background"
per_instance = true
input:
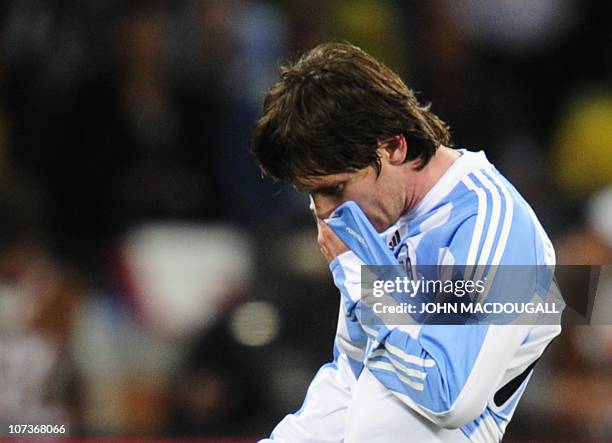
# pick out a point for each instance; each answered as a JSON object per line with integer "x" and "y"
{"x": 153, "y": 284}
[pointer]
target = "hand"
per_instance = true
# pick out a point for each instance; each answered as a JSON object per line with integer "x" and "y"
{"x": 329, "y": 243}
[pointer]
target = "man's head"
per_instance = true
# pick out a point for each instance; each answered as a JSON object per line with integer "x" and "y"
{"x": 337, "y": 119}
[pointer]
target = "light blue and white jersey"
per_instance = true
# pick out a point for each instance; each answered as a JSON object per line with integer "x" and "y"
{"x": 429, "y": 383}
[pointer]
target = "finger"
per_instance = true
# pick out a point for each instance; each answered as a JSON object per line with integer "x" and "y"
{"x": 320, "y": 233}
{"x": 328, "y": 256}
{"x": 323, "y": 240}
{"x": 330, "y": 240}
{"x": 330, "y": 236}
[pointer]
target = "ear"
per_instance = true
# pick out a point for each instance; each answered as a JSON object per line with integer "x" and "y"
{"x": 397, "y": 149}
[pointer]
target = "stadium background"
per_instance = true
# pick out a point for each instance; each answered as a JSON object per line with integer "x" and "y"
{"x": 153, "y": 284}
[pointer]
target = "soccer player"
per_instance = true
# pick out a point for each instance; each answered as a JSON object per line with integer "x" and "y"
{"x": 343, "y": 127}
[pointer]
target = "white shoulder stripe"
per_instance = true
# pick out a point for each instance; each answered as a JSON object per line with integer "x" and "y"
{"x": 503, "y": 237}
{"x": 493, "y": 222}
{"x": 478, "y": 228}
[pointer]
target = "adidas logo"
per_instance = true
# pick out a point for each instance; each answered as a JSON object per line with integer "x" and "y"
{"x": 394, "y": 240}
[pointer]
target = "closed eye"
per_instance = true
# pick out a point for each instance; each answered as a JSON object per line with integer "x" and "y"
{"x": 332, "y": 191}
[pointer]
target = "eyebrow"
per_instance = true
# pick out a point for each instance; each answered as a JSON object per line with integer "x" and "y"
{"x": 303, "y": 187}
{"x": 328, "y": 187}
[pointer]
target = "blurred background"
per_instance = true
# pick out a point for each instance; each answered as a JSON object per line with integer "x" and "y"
{"x": 153, "y": 284}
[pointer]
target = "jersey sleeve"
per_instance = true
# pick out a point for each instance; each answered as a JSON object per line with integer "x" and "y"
{"x": 445, "y": 373}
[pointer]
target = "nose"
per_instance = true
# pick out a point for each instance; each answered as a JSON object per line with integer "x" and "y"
{"x": 322, "y": 206}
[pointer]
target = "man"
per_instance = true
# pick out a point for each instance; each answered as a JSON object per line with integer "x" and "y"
{"x": 343, "y": 127}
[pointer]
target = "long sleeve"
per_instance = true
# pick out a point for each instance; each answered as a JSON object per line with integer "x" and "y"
{"x": 448, "y": 374}
{"x": 445, "y": 373}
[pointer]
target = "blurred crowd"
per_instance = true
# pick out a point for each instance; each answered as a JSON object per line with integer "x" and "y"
{"x": 152, "y": 283}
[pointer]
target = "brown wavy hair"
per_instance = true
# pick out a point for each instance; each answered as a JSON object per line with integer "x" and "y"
{"x": 330, "y": 110}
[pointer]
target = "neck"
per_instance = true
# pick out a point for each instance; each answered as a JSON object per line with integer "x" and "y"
{"x": 420, "y": 182}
